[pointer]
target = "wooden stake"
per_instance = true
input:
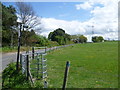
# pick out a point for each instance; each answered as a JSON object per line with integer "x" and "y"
{"x": 18, "y": 53}
{"x": 33, "y": 52}
{"x": 27, "y": 59}
{"x": 66, "y": 74}
{"x": 21, "y": 61}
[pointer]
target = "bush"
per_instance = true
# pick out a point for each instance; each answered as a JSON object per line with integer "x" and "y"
{"x": 59, "y": 36}
{"x": 97, "y": 39}
{"x": 13, "y": 79}
{"x": 52, "y": 43}
{"x": 69, "y": 42}
{"x": 82, "y": 39}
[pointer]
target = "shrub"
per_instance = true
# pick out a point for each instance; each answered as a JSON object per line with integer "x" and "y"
{"x": 13, "y": 79}
{"x": 82, "y": 39}
{"x": 52, "y": 43}
{"x": 59, "y": 36}
{"x": 97, "y": 39}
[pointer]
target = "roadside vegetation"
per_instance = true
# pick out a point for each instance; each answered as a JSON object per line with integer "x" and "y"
{"x": 13, "y": 49}
{"x": 13, "y": 79}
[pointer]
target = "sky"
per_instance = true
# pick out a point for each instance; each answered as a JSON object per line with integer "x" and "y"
{"x": 85, "y": 17}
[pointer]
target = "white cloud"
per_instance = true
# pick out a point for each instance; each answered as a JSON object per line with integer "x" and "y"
{"x": 85, "y": 5}
{"x": 77, "y": 27}
{"x": 43, "y": 0}
{"x": 104, "y": 19}
{"x": 71, "y": 27}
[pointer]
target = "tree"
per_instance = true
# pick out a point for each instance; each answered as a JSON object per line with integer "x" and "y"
{"x": 9, "y": 17}
{"x": 79, "y": 38}
{"x": 50, "y": 36}
{"x": 60, "y": 40}
{"x": 9, "y": 20}
{"x": 60, "y": 36}
{"x": 100, "y": 38}
{"x": 27, "y": 15}
{"x": 82, "y": 39}
{"x": 94, "y": 39}
{"x": 68, "y": 37}
{"x": 97, "y": 39}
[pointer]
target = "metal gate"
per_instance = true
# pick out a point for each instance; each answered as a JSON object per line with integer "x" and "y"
{"x": 35, "y": 68}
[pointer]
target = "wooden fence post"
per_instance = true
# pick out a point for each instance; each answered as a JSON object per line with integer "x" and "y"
{"x": 45, "y": 84}
{"x": 38, "y": 66}
{"x": 66, "y": 74}
{"x": 27, "y": 63}
{"x": 45, "y": 49}
{"x": 33, "y": 51}
{"x": 21, "y": 61}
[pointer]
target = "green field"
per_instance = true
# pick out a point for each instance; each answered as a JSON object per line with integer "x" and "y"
{"x": 92, "y": 65}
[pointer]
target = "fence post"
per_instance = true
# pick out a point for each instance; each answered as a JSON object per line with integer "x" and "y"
{"x": 45, "y": 49}
{"x": 27, "y": 62}
{"x": 38, "y": 66}
{"x": 45, "y": 84}
{"x": 33, "y": 52}
{"x": 66, "y": 74}
{"x": 21, "y": 60}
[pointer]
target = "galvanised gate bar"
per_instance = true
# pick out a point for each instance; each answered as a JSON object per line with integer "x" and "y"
{"x": 34, "y": 68}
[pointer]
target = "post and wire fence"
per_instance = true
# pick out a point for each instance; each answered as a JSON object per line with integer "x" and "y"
{"x": 34, "y": 65}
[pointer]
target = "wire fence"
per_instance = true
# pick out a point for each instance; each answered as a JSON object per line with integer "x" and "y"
{"x": 34, "y": 65}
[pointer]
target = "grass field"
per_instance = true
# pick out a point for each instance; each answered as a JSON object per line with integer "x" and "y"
{"x": 92, "y": 65}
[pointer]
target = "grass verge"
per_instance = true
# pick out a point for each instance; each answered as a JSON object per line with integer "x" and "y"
{"x": 14, "y": 49}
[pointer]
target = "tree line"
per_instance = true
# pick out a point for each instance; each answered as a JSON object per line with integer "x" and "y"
{"x": 10, "y": 27}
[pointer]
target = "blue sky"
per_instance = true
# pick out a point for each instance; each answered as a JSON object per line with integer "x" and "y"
{"x": 58, "y": 10}
{"x": 64, "y": 11}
